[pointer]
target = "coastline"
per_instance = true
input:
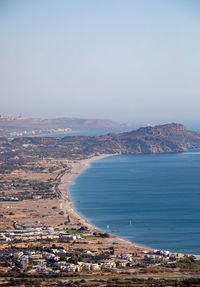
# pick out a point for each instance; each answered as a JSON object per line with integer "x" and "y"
{"x": 67, "y": 205}
{"x": 77, "y": 219}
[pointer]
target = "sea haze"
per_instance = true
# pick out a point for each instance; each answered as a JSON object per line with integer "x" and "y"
{"x": 152, "y": 200}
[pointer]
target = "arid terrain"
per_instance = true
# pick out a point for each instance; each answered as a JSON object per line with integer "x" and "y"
{"x": 45, "y": 241}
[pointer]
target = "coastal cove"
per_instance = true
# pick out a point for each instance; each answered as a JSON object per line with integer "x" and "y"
{"x": 152, "y": 200}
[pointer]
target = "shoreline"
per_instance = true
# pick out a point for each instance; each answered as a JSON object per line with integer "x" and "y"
{"x": 67, "y": 205}
{"x": 76, "y": 218}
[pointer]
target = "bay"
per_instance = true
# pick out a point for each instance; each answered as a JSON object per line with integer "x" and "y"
{"x": 153, "y": 200}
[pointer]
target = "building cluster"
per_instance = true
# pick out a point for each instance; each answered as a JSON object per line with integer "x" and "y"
{"x": 36, "y": 233}
{"x": 57, "y": 259}
{"x": 52, "y": 258}
{"x": 160, "y": 256}
{"x": 52, "y": 261}
{"x": 39, "y": 132}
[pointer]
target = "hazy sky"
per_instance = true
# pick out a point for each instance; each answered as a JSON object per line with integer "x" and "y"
{"x": 127, "y": 60}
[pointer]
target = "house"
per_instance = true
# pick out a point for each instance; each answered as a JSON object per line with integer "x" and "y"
{"x": 153, "y": 258}
{"x": 107, "y": 264}
{"x": 61, "y": 265}
{"x": 121, "y": 263}
{"x": 95, "y": 267}
{"x": 71, "y": 267}
{"x": 85, "y": 266}
{"x": 36, "y": 256}
{"x": 65, "y": 237}
{"x": 39, "y": 261}
{"x": 127, "y": 257}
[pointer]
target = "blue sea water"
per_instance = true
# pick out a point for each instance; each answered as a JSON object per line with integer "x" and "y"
{"x": 153, "y": 200}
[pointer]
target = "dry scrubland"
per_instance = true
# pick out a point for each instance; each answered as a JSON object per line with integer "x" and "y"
{"x": 44, "y": 241}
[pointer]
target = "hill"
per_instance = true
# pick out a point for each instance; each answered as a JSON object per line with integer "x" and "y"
{"x": 159, "y": 139}
{"x": 21, "y": 126}
{"x": 169, "y": 138}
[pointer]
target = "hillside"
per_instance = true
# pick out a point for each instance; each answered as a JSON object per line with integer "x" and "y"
{"x": 21, "y": 126}
{"x": 159, "y": 139}
{"x": 165, "y": 138}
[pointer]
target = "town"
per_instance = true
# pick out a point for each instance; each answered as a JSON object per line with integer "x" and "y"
{"x": 38, "y": 249}
{"x": 40, "y": 132}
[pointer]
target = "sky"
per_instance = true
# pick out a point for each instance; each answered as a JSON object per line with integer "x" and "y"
{"x": 132, "y": 61}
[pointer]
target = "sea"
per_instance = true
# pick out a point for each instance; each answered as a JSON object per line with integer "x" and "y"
{"x": 150, "y": 199}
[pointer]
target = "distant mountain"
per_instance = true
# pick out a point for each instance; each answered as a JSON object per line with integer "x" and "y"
{"x": 21, "y": 126}
{"x": 159, "y": 139}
